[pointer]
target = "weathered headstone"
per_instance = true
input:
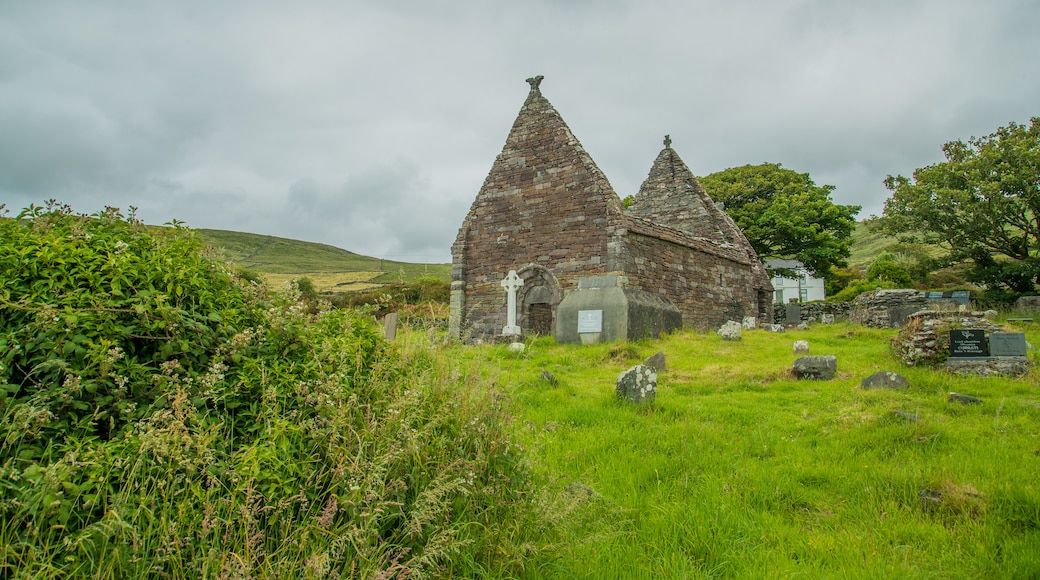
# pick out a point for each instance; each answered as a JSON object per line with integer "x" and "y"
{"x": 826, "y": 318}
{"x": 966, "y": 342}
{"x": 818, "y": 368}
{"x": 656, "y": 361}
{"x": 730, "y": 330}
{"x": 750, "y": 323}
{"x": 511, "y": 283}
{"x": 801, "y": 347}
{"x": 1007, "y": 344}
{"x": 793, "y": 313}
{"x": 910, "y": 417}
{"x": 390, "y": 326}
{"x": 637, "y": 385}
{"x": 803, "y": 326}
{"x": 777, "y": 328}
{"x": 885, "y": 380}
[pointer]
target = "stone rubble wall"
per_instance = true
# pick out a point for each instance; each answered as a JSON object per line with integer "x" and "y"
{"x": 886, "y": 308}
{"x": 814, "y": 311}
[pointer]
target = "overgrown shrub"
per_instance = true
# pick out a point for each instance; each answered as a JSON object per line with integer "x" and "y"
{"x": 163, "y": 419}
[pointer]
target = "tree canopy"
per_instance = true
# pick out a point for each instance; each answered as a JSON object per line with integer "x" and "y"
{"x": 982, "y": 203}
{"x": 784, "y": 214}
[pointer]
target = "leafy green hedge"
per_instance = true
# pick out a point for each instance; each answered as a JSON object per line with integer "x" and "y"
{"x": 162, "y": 418}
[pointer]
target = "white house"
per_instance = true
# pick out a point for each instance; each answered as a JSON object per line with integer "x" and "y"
{"x": 803, "y": 288}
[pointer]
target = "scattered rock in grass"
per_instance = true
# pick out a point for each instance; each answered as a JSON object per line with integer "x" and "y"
{"x": 550, "y": 378}
{"x": 516, "y": 347}
{"x": 730, "y": 330}
{"x": 581, "y": 491}
{"x": 637, "y": 385}
{"x": 990, "y": 314}
{"x": 656, "y": 361}
{"x": 777, "y": 328}
{"x": 803, "y": 326}
{"x": 885, "y": 380}
{"x": 826, "y": 319}
{"x": 952, "y": 499}
{"x": 930, "y": 499}
{"x": 750, "y": 323}
{"x": 964, "y": 399}
{"x": 1028, "y": 304}
{"x": 912, "y": 418}
{"x": 801, "y": 347}
{"x": 817, "y": 368}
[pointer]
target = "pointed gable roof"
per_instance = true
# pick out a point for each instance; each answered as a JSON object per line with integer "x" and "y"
{"x": 542, "y": 167}
{"x": 672, "y": 196}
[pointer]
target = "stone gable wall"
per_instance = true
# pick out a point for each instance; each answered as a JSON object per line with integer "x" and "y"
{"x": 545, "y": 203}
{"x": 708, "y": 289}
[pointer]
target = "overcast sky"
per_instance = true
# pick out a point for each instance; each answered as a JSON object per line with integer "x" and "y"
{"x": 372, "y": 125}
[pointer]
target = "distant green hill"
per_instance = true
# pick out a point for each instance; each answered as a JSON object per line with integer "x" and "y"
{"x": 867, "y": 243}
{"x": 337, "y": 269}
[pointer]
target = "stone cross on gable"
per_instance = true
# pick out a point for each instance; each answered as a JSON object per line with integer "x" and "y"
{"x": 511, "y": 283}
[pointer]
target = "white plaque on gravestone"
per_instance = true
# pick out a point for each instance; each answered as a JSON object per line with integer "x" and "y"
{"x": 590, "y": 321}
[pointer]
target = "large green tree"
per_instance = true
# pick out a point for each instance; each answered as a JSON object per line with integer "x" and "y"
{"x": 784, "y": 214}
{"x": 982, "y": 203}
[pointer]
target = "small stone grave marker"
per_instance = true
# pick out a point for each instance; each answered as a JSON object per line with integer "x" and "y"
{"x": 390, "y": 326}
{"x": 965, "y": 343}
{"x": 1007, "y": 344}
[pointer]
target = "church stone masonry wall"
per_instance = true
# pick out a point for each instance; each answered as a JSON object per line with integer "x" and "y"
{"x": 708, "y": 289}
{"x": 543, "y": 203}
{"x": 546, "y": 209}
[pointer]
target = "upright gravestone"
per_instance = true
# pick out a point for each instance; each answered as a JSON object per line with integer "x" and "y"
{"x": 794, "y": 313}
{"x": 511, "y": 283}
{"x": 968, "y": 343}
{"x": 390, "y": 326}
{"x": 637, "y": 385}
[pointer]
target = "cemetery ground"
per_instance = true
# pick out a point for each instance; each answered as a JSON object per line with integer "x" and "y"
{"x": 738, "y": 470}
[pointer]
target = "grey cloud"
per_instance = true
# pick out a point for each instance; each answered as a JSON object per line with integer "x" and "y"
{"x": 371, "y": 125}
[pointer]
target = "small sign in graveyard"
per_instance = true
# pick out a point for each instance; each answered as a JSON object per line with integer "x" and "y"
{"x": 590, "y": 321}
{"x": 965, "y": 343}
{"x": 1007, "y": 344}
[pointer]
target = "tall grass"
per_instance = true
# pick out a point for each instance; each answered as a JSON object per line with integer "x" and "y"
{"x": 738, "y": 470}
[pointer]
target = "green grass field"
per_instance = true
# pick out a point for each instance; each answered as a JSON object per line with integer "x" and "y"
{"x": 738, "y": 470}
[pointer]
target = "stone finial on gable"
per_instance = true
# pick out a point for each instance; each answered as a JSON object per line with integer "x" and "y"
{"x": 535, "y": 82}
{"x": 668, "y": 141}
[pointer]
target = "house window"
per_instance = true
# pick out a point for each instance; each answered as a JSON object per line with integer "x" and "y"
{"x": 779, "y": 298}
{"x": 804, "y": 295}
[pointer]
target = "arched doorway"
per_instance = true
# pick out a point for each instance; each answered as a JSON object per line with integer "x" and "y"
{"x": 538, "y": 299}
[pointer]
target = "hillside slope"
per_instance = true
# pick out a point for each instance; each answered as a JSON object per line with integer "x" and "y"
{"x": 331, "y": 268}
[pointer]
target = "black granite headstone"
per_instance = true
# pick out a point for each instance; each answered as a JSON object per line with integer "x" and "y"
{"x": 968, "y": 343}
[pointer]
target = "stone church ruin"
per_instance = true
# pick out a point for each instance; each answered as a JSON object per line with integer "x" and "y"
{"x": 548, "y": 236}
